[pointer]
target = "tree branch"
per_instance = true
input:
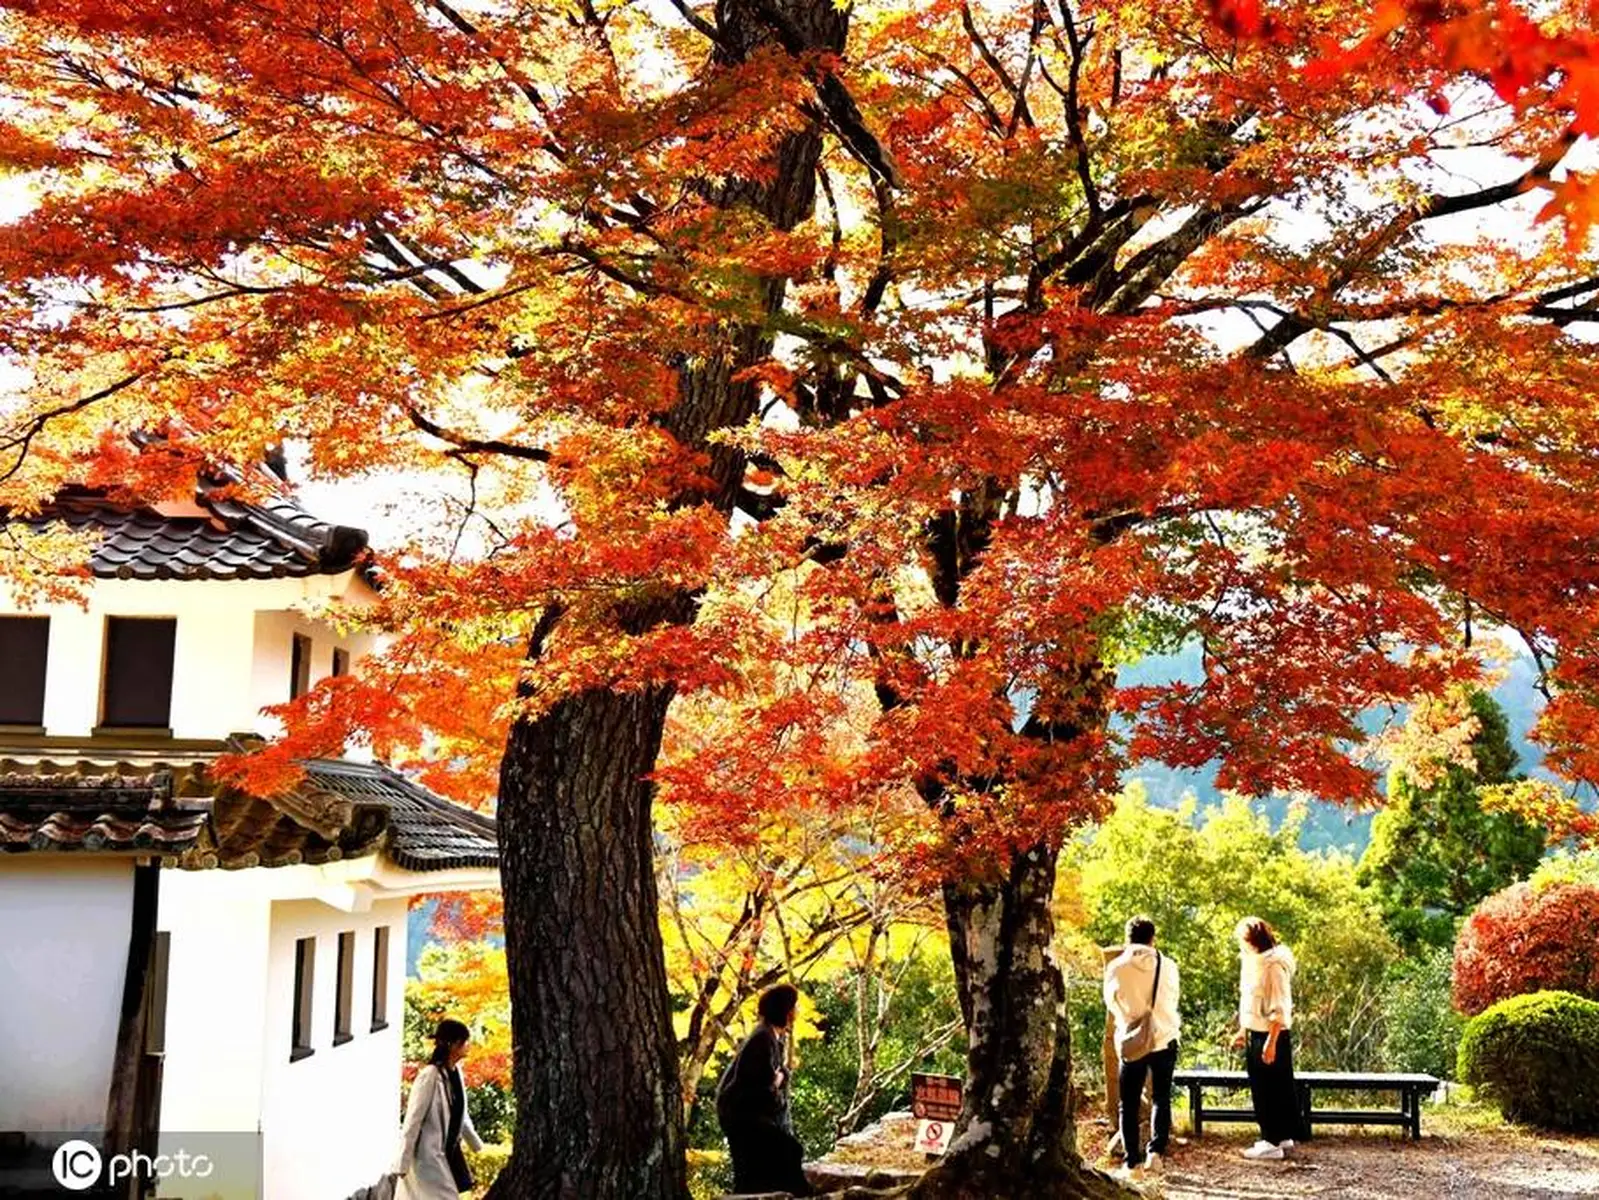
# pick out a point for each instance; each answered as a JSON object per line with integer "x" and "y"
{"x": 471, "y": 444}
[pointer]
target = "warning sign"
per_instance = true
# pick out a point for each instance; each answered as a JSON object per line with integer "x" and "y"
{"x": 932, "y": 1137}
{"x": 936, "y": 1098}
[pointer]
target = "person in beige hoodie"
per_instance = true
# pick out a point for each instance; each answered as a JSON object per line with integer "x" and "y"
{"x": 1138, "y": 982}
{"x": 1265, "y": 1031}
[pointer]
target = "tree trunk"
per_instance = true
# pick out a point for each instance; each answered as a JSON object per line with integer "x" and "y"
{"x": 598, "y": 1110}
{"x": 1016, "y": 1135}
{"x": 599, "y": 1105}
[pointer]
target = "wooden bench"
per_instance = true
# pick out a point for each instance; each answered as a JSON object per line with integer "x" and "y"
{"x": 1411, "y": 1089}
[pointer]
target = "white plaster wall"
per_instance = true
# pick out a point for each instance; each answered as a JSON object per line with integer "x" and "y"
{"x": 331, "y": 1121}
{"x": 216, "y": 1009}
{"x": 63, "y": 957}
{"x": 231, "y": 655}
{"x": 216, "y": 1000}
{"x": 274, "y": 658}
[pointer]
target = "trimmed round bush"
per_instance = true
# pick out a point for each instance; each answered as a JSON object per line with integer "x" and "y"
{"x": 1537, "y": 1058}
{"x": 1529, "y": 939}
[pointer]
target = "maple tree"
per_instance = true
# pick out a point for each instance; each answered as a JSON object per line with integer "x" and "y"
{"x": 1013, "y": 340}
{"x": 466, "y": 978}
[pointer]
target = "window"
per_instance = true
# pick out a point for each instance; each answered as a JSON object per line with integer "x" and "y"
{"x": 341, "y": 1007}
{"x": 300, "y": 666}
{"x": 304, "y": 973}
{"x": 341, "y": 662}
{"x": 24, "y": 643}
{"x": 380, "y": 979}
{"x": 138, "y": 672}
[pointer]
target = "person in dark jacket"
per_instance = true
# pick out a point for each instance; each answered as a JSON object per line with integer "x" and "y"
{"x": 752, "y": 1104}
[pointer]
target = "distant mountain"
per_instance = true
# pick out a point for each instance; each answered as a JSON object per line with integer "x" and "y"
{"x": 1326, "y": 825}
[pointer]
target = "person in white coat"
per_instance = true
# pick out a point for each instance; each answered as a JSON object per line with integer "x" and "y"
{"x": 1142, "y": 983}
{"x": 1265, "y": 1032}
{"x": 430, "y": 1164}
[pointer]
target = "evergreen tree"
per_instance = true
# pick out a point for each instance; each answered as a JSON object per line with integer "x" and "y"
{"x": 1434, "y": 853}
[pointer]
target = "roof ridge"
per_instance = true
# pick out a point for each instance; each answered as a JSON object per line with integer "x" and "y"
{"x": 324, "y": 542}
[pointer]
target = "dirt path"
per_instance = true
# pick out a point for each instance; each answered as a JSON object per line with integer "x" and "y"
{"x": 1466, "y": 1153}
{"x": 1474, "y": 1164}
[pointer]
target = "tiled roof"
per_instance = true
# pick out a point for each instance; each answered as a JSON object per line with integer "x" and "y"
{"x": 72, "y": 810}
{"x": 162, "y": 803}
{"x": 426, "y": 833}
{"x": 214, "y": 538}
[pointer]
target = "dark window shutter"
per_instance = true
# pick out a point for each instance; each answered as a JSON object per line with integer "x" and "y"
{"x": 24, "y": 647}
{"x": 304, "y": 981}
{"x": 300, "y": 667}
{"x": 138, "y": 671}
{"x": 346, "y": 987}
{"x": 380, "y": 978}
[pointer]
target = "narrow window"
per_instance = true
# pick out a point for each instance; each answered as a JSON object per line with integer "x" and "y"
{"x": 341, "y": 662}
{"x": 24, "y": 643}
{"x": 341, "y": 1007}
{"x": 300, "y": 666}
{"x": 155, "y": 1035}
{"x": 138, "y": 672}
{"x": 304, "y": 971}
{"x": 380, "y": 979}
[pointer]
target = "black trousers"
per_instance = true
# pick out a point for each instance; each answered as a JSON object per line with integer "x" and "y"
{"x": 1158, "y": 1067}
{"x": 766, "y": 1158}
{"x": 1272, "y": 1090}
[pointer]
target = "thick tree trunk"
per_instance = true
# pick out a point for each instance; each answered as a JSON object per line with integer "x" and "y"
{"x": 1016, "y": 1136}
{"x": 598, "y": 1109}
{"x": 599, "y": 1105}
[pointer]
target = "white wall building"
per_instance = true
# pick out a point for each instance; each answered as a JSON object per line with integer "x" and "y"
{"x": 180, "y": 957}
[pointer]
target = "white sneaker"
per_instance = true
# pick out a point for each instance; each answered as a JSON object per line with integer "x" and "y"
{"x": 1264, "y": 1150}
{"x": 1153, "y": 1164}
{"x": 1128, "y": 1174}
{"x": 1286, "y": 1145}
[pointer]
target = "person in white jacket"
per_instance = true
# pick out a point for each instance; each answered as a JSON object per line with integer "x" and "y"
{"x": 1265, "y": 1030}
{"x": 430, "y": 1164}
{"x": 1133, "y": 991}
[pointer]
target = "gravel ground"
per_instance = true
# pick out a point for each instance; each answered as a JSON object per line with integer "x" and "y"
{"x": 1473, "y": 1163}
{"x": 1465, "y": 1154}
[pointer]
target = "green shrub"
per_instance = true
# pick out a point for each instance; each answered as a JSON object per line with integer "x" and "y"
{"x": 1421, "y": 1030}
{"x": 1537, "y": 1058}
{"x": 486, "y": 1163}
{"x": 493, "y": 1109}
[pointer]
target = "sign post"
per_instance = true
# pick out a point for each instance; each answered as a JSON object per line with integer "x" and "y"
{"x": 936, "y": 1105}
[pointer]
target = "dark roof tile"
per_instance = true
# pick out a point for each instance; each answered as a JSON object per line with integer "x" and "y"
{"x": 340, "y": 809}
{"x": 90, "y": 812}
{"x": 270, "y": 540}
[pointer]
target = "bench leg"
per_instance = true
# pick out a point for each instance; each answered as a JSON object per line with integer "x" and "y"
{"x": 1304, "y": 1111}
{"x": 1415, "y": 1114}
{"x": 1196, "y": 1108}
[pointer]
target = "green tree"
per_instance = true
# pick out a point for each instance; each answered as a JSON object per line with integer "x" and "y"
{"x": 1434, "y": 853}
{"x": 1421, "y": 1029}
{"x": 1196, "y": 874}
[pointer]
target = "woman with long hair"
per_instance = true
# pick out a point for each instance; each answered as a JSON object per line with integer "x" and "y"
{"x": 1265, "y": 1030}
{"x": 431, "y": 1164}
